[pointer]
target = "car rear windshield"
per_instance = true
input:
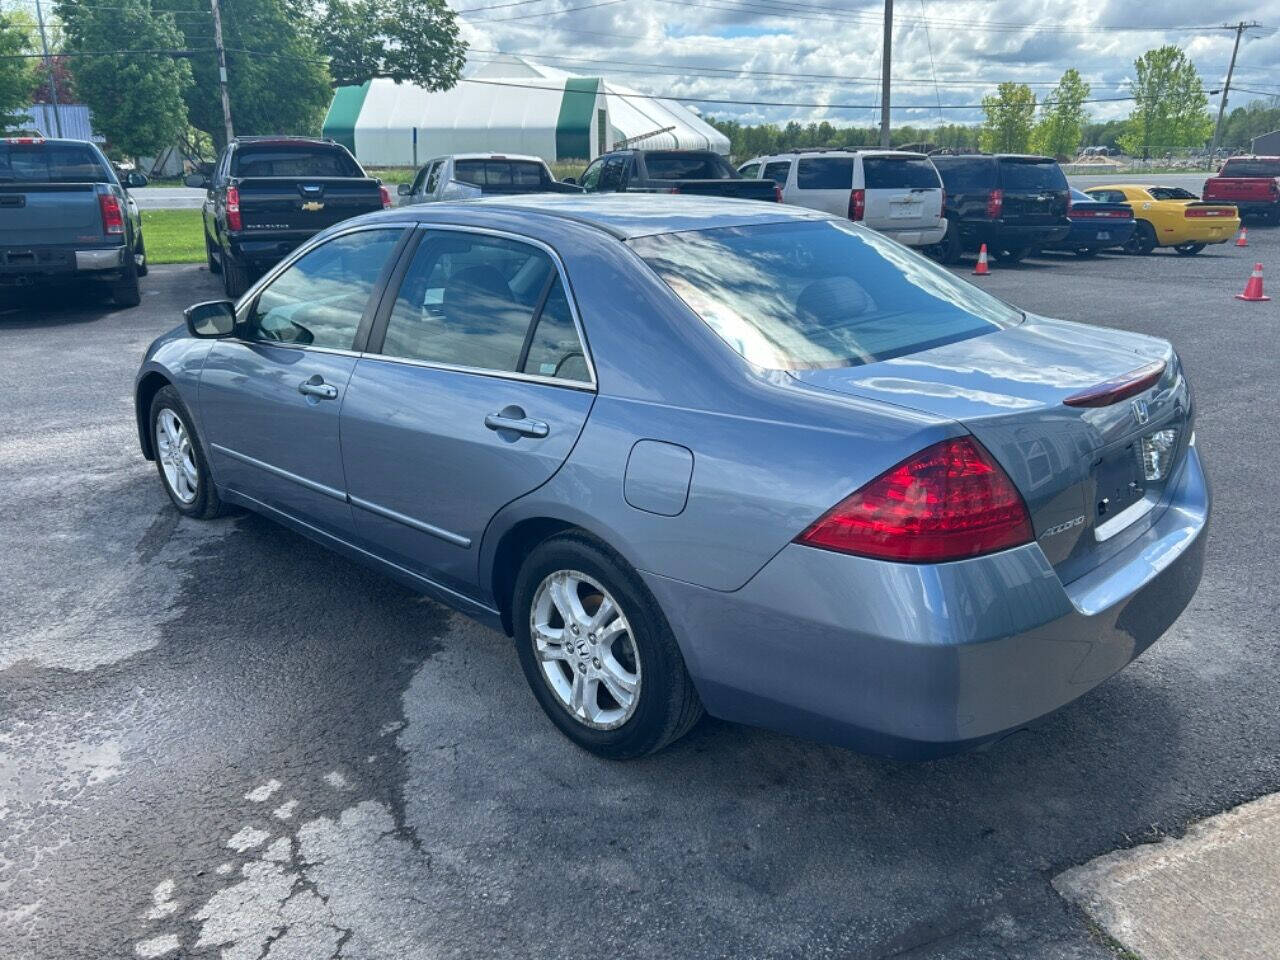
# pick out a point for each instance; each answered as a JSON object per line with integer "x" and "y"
{"x": 688, "y": 166}
{"x": 825, "y": 173}
{"x": 294, "y": 160}
{"x": 498, "y": 173}
{"x": 828, "y": 293}
{"x": 963, "y": 174}
{"x": 51, "y": 163}
{"x": 890, "y": 173}
{"x": 1031, "y": 175}
{"x": 1251, "y": 168}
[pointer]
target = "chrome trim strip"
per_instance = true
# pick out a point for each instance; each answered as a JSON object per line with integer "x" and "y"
{"x": 285, "y": 474}
{"x": 1130, "y": 514}
{"x": 481, "y": 371}
{"x": 431, "y": 584}
{"x": 456, "y": 539}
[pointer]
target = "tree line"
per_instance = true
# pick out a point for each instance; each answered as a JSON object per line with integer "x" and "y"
{"x": 148, "y": 72}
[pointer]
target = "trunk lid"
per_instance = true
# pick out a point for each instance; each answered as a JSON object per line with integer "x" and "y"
{"x": 304, "y": 203}
{"x": 1079, "y": 468}
{"x": 1035, "y": 191}
{"x": 903, "y": 192}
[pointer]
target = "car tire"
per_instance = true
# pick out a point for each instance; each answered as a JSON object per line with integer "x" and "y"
{"x": 141, "y": 254}
{"x": 947, "y": 250}
{"x": 127, "y": 292}
{"x": 1086, "y": 253}
{"x": 178, "y": 455}
{"x": 235, "y": 277}
{"x": 1013, "y": 254}
{"x": 574, "y": 679}
{"x": 215, "y": 265}
{"x": 1142, "y": 241}
{"x": 1188, "y": 249}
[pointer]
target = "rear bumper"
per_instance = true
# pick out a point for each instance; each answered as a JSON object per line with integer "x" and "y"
{"x": 1251, "y": 207}
{"x": 22, "y": 265}
{"x": 915, "y": 236}
{"x": 1213, "y": 230}
{"x": 999, "y": 235}
{"x": 1084, "y": 234}
{"x": 916, "y": 661}
{"x": 265, "y": 251}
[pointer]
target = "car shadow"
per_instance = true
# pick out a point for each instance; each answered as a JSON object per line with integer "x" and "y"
{"x": 26, "y": 308}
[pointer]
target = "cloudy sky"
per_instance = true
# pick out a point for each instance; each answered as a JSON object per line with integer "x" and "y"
{"x": 824, "y": 53}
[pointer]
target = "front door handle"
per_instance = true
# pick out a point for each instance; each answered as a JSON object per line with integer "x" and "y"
{"x": 521, "y": 425}
{"x": 316, "y": 387}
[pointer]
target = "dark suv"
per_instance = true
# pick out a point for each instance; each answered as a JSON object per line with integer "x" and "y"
{"x": 1011, "y": 202}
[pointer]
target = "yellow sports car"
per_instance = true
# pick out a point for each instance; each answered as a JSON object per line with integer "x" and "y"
{"x": 1171, "y": 217}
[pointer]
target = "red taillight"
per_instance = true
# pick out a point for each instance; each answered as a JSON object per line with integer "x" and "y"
{"x": 948, "y": 502}
{"x": 1118, "y": 388}
{"x": 386, "y": 196}
{"x": 777, "y": 193}
{"x": 995, "y": 203}
{"x": 112, "y": 214}
{"x": 233, "y": 209}
{"x": 1210, "y": 211}
{"x": 857, "y": 204}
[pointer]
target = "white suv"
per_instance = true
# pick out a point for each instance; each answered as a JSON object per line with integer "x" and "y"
{"x": 895, "y": 193}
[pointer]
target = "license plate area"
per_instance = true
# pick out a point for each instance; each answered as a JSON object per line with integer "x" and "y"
{"x": 904, "y": 210}
{"x": 1119, "y": 482}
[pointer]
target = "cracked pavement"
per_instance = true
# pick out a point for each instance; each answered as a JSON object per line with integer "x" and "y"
{"x": 218, "y": 740}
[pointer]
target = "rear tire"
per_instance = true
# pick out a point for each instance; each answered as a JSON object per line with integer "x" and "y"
{"x": 126, "y": 291}
{"x": 141, "y": 254}
{"x": 563, "y": 669}
{"x": 236, "y": 278}
{"x": 947, "y": 250}
{"x": 215, "y": 265}
{"x": 1188, "y": 249}
{"x": 198, "y": 499}
{"x": 1143, "y": 240}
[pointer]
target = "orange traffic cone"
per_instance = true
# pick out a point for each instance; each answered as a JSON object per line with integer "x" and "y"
{"x": 1243, "y": 239}
{"x": 981, "y": 270}
{"x": 1253, "y": 289}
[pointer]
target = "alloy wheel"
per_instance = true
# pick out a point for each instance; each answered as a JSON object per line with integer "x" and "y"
{"x": 583, "y": 644}
{"x": 177, "y": 456}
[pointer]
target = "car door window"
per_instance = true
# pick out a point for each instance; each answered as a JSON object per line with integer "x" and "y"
{"x": 419, "y": 180}
{"x": 591, "y": 176}
{"x": 319, "y": 299}
{"x": 468, "y": 300}
{"x": 555, "y": 349}
{"x": 433, "y": 178}
{"x": 749, "y": 171}
{"x": 612, "y": 177}
{"x": 778, "y": 171}
{"x": 825, "y": 173}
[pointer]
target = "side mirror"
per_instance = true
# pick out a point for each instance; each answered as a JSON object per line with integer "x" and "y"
{"x": 211, "y": 319}
{"x": 136, "y": 179}
{"x": 197, "y": 180}
{"x": 404, "y": 189}
{"x": 569, "y": 180}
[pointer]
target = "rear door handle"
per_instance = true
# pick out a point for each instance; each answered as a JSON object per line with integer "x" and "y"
{"x": 523, "y": 426}
{"x": 316, "y": 387}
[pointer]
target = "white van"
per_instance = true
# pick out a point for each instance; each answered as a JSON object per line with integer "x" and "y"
{"x": 894, "y": 192}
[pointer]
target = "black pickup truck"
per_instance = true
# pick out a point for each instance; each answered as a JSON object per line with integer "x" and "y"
{"x": 65, "y": 216}
{"x": 703, "y": 172}
{"x": 265, "y": 195}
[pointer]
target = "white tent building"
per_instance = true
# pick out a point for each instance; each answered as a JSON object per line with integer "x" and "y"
{"x": 509, "y": 105}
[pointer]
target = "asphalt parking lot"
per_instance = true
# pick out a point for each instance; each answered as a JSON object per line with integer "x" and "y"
{"x": 219, "y": 740}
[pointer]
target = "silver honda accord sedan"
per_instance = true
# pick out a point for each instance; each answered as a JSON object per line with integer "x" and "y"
{"x": 697, "y": 454}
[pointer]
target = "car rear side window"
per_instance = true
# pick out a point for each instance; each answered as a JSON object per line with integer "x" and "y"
{"x": 50, "y": 163}
{"x": 777, "y": 171}
{"x": 318, "y": 300}
{"x": 825, "y": 173}
{"x": 498, "y": 173}
{"x": 1031, "y": 175}
{"x": 294, "y": 160}
{"x": 897, "y": 173}
{"x": 1251, "y": 168}
{"x": 819, "y": 294}
{"x": 1108, "y": 196}
{"x": 966, "y": 174}
{"x": 750, "y": 171}
{"x": 471, "y": 300}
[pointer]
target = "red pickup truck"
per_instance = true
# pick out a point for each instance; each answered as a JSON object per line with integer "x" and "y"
{"x": 1251, "y": 183}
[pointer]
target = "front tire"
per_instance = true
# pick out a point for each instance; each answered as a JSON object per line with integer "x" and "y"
{"x": 140, "y": 257}
{"x": 184, "y": 473}
{"x": 597, "y": 651}
{"x": 1188, "y": 249}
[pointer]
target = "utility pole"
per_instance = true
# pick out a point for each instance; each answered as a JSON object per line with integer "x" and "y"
{"x": 1239, "y": 28}
{"x": 48, "y": 66}
{"x": 222, "y": 69}
{"x": 885, "y": 59}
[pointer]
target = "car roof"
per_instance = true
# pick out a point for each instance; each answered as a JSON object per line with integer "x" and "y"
{"x": 626, "y": 215}
{"x": 488, "y": 156}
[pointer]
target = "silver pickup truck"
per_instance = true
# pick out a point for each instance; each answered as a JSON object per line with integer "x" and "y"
{"x": 465, "y": 176}
{"x": 65, "y": 215}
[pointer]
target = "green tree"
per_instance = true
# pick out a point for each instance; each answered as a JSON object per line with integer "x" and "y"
{"x": 1010, "y": 113}
{"x": 1170, "y": 108}
{"x": 135, "y": 98}
{"x": 1062, "y": 117}
{"x": 18, "y": 76}
{"x": 413, "y": 40}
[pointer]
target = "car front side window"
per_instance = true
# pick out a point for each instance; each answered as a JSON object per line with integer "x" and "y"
{"x": 484, "y": 302}
{"x": 318, "y": 300}
{"x": 591, "y": 176}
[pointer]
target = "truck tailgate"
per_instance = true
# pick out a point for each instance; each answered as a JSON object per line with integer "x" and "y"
{"x": 741, "y": 189}
{"x": 34, "y": 214}
{"x": 1242, "y": 189}
{"x": 270, "y": 204}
